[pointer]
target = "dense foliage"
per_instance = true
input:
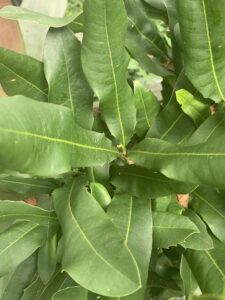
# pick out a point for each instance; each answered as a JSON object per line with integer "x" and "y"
{"x": 106, "y": 191}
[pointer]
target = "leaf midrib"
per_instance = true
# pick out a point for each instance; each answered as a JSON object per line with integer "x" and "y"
{"x": 114, "y": 77}
{"x": 34, "y": 135}
{"x": 25, "y": 183}
{"x": 23, "y": 79}
{"x": 19, "y": 238}
{"x": 87, "y": 240}
{"x": 210, "y": 51}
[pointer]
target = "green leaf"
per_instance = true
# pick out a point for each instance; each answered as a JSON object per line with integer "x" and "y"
{"x": 204, "y": 50}
{"x": 154, "y": 9}
{"x": 100, "y": 193}
{"x": 77, "y": 25}
{"x": 31, "y": 144}
{"x": 33, "y": 290}
{"x": 200, "y": 241}
{"x": 99, "y": 174}
{"x": 211, "y": 128}
{"x": 183, "y": 163}
{"x": 23, "y": 14}
{"x": 146, "y": 36}
{"x": 34, "y": 34}
{"x": 67, "y": 84}
{"x": 147, "y": 107}
{"x": 75, "y": 292}
{"x": 209, "y": 204}
{"x": 141, "y": 182}
{"x": 167, "y": 204}
{"x": 105, "y": 62}
{"x": 150, "y": 65}
{"x": 28, "y": 185}
{"x": 171, "y": 229}
{"x": 207, "y": 297}
{"x": 196, "y": 110}
{"x": 172, "y": 124}
{"x": 13, "y": 210}
{"x": 83, "y": 221}
{"x": 47, "y": 259}
{"x": 14, "y": 283}
{"x": 189, "y": 281}
{"x": 23, "y": 237}
{"x": 208, "y": 267}
{"x": 133, "y": 218}
{"x": 37, "y": 289}
{"x": 22, "y": 75}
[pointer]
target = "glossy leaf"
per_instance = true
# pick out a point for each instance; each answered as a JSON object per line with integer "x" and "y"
{"x": 23, "y": 238}
{"x": 200, "y": 241}
{"x": 31, "y": 144}
{"x": 133, "y": 218}
{"x": 67, "y": 84}
{"x": 14, "y": 283}
{"x": 183, "y": 163}
{"x": 209, "y": 204}
{"x": 13, "y": 210}
{"x": 141, "y": 182}
{"x": 28, "y": 185}
{"x": 171, "y": 229}
{"x": 83, "y": 221}
{"x": 22, "y": 75}
{"x": 211, "y": 264}
{"x": 100, "y": 193}
{"x": 196, "y": 110}
{"x": 147, "y": 107}
{"x": 47, "y": 259}
{"x": 105, "y": 62}
{"x": 202, "y": 29}
{"x": 76, "y": 292}
{"x": 23, "y": 14}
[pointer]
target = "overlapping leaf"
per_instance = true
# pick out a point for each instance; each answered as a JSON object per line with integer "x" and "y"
{"x": 209, "y": 204}
{"x": 147, "y": 107}
{"x": 208, "y": 267}
{"x": 196, "y": 110}
{"x": 201, "y": 241}
{"x": 170, "y": 229}
{"x": 15, "y": 282}
{"x": 83, "y": 221}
